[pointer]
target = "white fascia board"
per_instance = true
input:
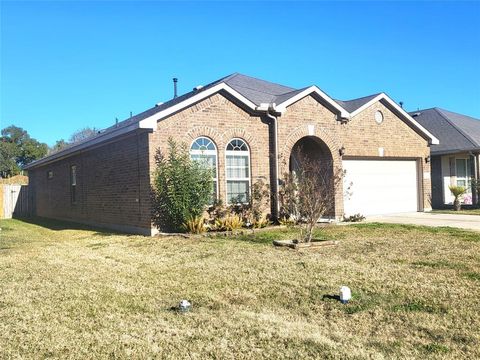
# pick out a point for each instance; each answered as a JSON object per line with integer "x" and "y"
{"x": 383, "y": 96}
{"x": 151, "y": 121}
{"x": 313, "y": 90}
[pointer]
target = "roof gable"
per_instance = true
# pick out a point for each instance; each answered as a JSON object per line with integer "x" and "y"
{"x": 456, "y": 132}
{"x": 469, "y": 126}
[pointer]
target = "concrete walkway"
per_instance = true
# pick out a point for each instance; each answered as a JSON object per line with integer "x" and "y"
{"x": 470, "y": 222}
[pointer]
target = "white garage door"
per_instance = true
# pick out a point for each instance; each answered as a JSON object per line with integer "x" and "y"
{"x": 380, "y": 187}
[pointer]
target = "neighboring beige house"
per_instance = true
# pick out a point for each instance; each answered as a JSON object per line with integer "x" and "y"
{"x": 455, "y": 161}
{"x": 247, "y": 128}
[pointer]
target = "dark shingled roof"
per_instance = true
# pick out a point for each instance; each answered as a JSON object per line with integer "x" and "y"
{"x": 456, "y": 132}
{"x": 352, "y": 105}
{"x": 256, "y": 90}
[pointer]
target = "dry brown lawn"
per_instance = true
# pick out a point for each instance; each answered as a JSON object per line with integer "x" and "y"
{"x": 83, "y": 294}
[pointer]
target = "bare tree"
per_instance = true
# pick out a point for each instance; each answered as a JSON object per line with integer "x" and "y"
{"x": 310, "y": 191}
{"x": 82, "y": 134}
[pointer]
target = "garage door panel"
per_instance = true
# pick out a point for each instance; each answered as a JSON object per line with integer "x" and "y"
{"x": 380, "y": 186}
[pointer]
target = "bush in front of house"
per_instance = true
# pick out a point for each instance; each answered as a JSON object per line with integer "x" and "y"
{"x": 457, "y": 192}
{"x": 182, "y": 188}
{"x": 354, "y": 218}
{"x": 238, "y": 214}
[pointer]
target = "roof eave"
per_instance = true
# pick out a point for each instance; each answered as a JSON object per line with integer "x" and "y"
{"x": 84, "y": 145}
{"x": 475, "y": 150}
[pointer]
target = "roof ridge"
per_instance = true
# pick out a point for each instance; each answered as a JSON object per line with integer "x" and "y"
{"x": 456, "y": 113}
{"x": 257, "y": 79}
{"x": 251, "y": 88}
{"x": 295, "y": 90}
{"x": 420, "y": 110}
{"x": 438, "y": 110}
{"x": 363, "y": 97}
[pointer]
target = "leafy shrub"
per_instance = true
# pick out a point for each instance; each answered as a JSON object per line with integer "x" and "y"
{"x": 287, "y": 221}
{"x": 260, "y": 223}
{"x": 230, "y": 222}
{"x": 216, "y": 211}
{"x": 195, "y": 225}
{"x": 354, "y": 218}
{"x": 457, "y": 192}
{"x": 182, "y": 188}
{"x": 251, "y": 214}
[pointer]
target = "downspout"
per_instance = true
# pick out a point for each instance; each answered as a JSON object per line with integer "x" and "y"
{"x": 276, "y": 205}
{"x": 269, "y": 111}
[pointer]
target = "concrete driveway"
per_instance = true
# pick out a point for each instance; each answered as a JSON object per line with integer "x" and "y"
{"x": 470, "y": 222}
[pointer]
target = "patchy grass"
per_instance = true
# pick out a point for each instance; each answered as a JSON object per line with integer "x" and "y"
{"x": 472, "y": 276}
{"x": 79, "y": 293}
{"x": 460, "y": 212}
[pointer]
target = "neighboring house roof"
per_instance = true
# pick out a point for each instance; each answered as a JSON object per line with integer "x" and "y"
{"x": 456, "y": 132}
{"x": 252, "y": 92}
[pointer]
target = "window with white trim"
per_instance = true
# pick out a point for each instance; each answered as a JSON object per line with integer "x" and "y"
{"x": 204, "y": 151}
{"x": 464, "y": 178}
{"x": 73, "y": 184}
{"x": 237, "y": 171}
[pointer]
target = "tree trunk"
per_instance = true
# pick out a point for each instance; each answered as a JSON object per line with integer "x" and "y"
{"x": 456, "y": 204}
{"x": 308, "y": 232}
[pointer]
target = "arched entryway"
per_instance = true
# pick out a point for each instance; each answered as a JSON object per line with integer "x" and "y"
{"x": 308, "y": 153}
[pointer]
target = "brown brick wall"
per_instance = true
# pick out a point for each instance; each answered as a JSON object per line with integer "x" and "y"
{"x": 114, "y": 179}
{"x": 361, "y": 136}
{"x": 112, "y": 186}
{"x": 221, "y": 120}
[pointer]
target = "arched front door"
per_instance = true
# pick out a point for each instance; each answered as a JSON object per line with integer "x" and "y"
{"x": 310, "y": 152}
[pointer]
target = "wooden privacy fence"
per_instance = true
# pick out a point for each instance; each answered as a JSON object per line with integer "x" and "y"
{"x": 14, "y": 200}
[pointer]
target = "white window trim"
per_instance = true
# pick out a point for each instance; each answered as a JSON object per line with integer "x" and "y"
{"x": 208, "y": 152}
{"x": 466, "y": 177}
{"x": 236, "y": 152}
{"x": 73, "y": 175}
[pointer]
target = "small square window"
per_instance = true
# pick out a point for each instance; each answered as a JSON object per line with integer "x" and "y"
{"x": 49, "y": 174}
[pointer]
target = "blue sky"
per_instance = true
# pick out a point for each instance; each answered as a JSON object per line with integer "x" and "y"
{"x": 67, "y": 65}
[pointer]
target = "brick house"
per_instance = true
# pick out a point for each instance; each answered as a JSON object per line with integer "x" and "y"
{"x": 455, "y": 161}
{"x": 247, "y": 128}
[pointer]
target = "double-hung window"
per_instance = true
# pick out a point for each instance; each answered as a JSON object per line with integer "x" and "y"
{"x": 204, "y": 151}
{"x": 464, "y": 177}
{"x": 238, "y": 171}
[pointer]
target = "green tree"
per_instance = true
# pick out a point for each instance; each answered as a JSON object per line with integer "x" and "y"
{"x": 59, "y": 145}
{"x": 182, "y": 188}
{"x": 8, "y": 156}
{"x": 18, "y": 149}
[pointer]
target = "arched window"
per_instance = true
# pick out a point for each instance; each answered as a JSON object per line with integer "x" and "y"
{"x": 238, "y": 171}
{"x": 204, "y": 151}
